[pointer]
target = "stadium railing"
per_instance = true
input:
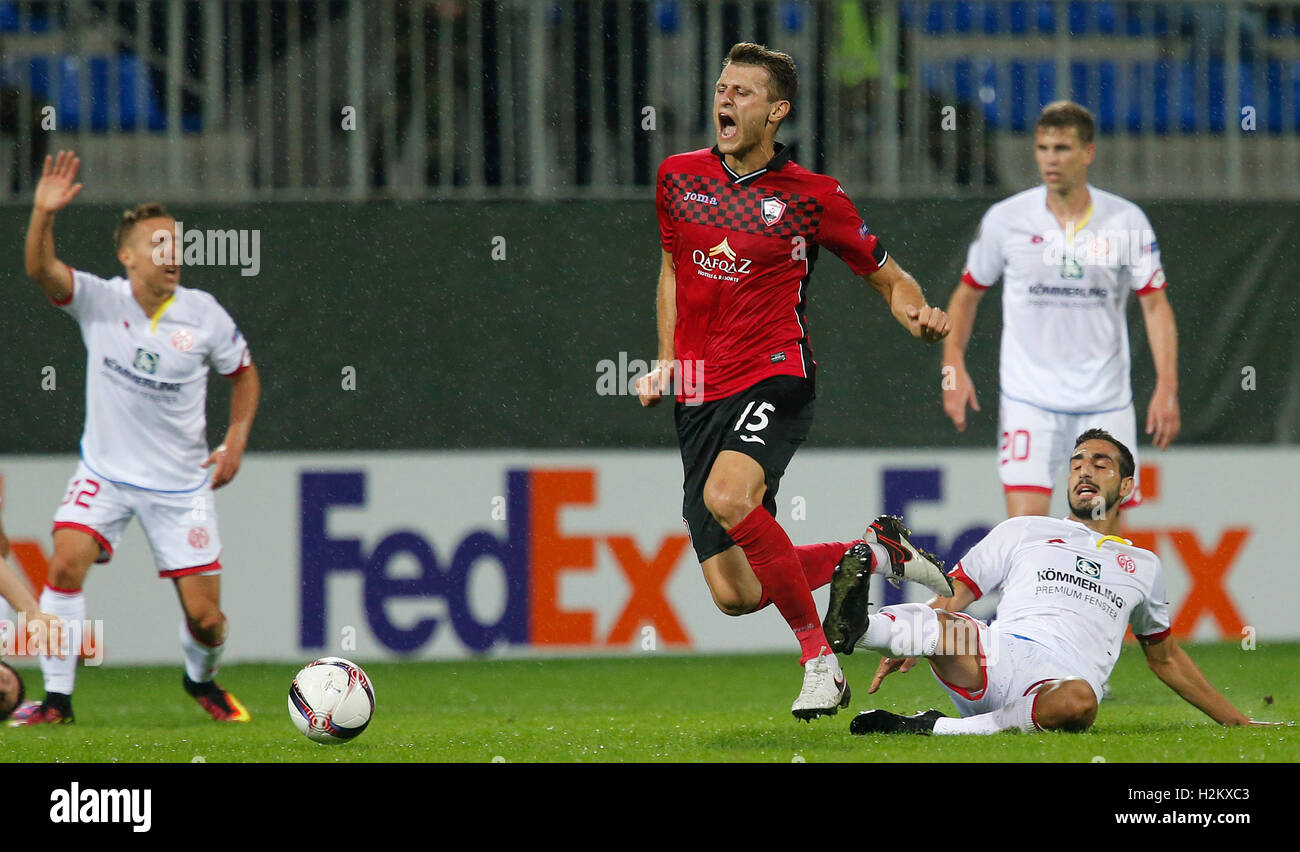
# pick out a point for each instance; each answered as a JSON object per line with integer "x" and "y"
{"x": 371, "y": 99}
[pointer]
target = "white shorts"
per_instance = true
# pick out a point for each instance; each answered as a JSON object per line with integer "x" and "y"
{"x": 1010, "y": 666}
{"x": 181, "y": 527}
{"x": 1034, "y": 443}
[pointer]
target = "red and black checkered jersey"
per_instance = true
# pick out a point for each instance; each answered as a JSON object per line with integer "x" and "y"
{"x": 744, "y": 249}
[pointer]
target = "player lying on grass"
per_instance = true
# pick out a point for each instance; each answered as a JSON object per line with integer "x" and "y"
{"x": 1069, "y": 587}
{"x": 15, "y": 591}
{"x": 150, "y": 344}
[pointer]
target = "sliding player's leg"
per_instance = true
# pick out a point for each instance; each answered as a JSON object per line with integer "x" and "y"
{"x": 1008, "y": 683}
{"x": 76, "y": 547}
{"x": 203, "y": 632}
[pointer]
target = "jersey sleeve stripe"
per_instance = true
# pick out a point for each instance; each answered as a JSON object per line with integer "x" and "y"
{"x": 967, "y": 278}
{"x": 1156, "y": 637}
{"x": 244, "y": 363}
{"x": 959, "y": 573}
{"x": 1155, "y": 282}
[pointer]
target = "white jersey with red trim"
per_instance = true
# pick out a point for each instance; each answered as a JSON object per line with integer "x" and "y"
{"x": 1069, "y": 589}
{"x": 1064, "y": 330}
{"x": 147, "y": 381}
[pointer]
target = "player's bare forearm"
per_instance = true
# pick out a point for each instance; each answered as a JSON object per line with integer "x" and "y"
{"x": 246, "y": 394}
{"x": 14, "y": 589}
{"x": 43, "y": 267}
{"x": 907, "y": 303}
{"x": 962, "y": 597}
{"x": 666, "y": 307}
{"x": 1162, "y": 332}
{"x": 962, "y": 308}
{"x": 1169, "y": 662}
{"x": 1164, "y": 418}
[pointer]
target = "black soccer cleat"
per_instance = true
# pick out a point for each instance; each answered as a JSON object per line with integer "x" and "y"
{"x": 884, "y": 722}
{"x": 906, "y": 560}
{"x": 847, "y": 616}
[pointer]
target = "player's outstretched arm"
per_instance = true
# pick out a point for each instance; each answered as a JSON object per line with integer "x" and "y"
{"x": 650, "y": 387}
{"x": 1170, "y": 663}
{"x": 243, "y": 408}
{"x": 907, "y": 303}
{"x": 55, "y": 190}
{"x": 958, "y": 389}
{"x": 1163, "y": 417}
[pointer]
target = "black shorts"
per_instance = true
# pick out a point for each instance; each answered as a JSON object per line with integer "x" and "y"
{"x": 766, "y": 422}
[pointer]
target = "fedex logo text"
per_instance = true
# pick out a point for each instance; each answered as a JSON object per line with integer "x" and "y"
{"x": 533, "y": 555}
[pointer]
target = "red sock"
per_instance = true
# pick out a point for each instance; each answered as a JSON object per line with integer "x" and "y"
{"x": 776, "y": 564}
{"x": 818, "y": 562}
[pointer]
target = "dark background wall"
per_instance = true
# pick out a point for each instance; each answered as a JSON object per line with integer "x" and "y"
{"x": 453, "y": 349}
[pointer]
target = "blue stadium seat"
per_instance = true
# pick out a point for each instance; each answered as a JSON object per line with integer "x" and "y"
{"x": 68, "y": 102}
{"x": 1273, "y": 83}
{"x": 668, "y": 14}
{"x": 1139, "y": 79}
{"x": 1046, "y": 86}
{"x": 1106, "y": 95}
{"x": 1214, "y": 102}
{"x": 1079, "y": 89}
{"x": 962, "y": 16}
{"x": 1019, "y": 97}
{"x": 934, "y": 19}
{"x": 991, "y": 23}
{"x": 8, "y": 17}
{"x": 1187, "y": 97}
{"x": 791, "y": 16}
{"x": 1133, "y": 24}
{"x": 1160, "y": 73}
{"x": 1045, "y": 16}
{"x": 989, "y": 82}
{"x": 963, "y": 80}
{"x": 1106, "y": 18}
{"x": 38, "y": 72}
{"x": 1078, "y": 14}
{"x": 1018, "y": 17}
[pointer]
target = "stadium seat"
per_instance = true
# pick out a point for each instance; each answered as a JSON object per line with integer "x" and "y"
{"x": 668, "y": 14}
{"x": 791, "y": 16}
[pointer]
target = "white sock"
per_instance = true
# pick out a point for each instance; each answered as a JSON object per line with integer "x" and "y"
{"x": 881, "y": 563}
{"x": 1018, "y": 715}
{"x": 61, "y": 672}
{"x": 903, "y": 630}
{"x": 201, "y": 661}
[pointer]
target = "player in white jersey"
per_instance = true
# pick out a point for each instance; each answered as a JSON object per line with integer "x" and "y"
{"x": 1068, "y": 255}
{"x": 149, "y": 346}
{"x": 1070, "y": 587}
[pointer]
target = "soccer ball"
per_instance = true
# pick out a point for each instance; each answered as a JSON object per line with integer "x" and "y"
{"x": 331, "y": 701}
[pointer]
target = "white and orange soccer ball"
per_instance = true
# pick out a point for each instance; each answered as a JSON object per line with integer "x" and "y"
{"x": 331, "y": 701}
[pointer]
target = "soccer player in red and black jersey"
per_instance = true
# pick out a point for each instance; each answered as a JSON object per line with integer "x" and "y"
{"x": 741, "y": 225}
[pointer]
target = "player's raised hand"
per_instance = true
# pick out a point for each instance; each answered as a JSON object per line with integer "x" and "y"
{"x": 928, "y": 323}
{"x": 56, "y": 187}
{"x": 1163, "y": 417}
{"x": 227, "y": 462}
{"x": 650, "y": 387}
{"x": 889, "y": 665}
{"x": 958, "y": 392}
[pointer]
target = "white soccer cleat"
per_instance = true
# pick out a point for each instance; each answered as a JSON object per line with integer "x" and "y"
{"x": 824, "y": 691}
{"x": 906, "y": 560}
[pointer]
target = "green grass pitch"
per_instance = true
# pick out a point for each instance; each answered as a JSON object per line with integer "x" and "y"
{"x": 651, "y": 708}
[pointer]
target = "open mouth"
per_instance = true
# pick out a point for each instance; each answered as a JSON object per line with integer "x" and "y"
{"x": 172, "y": 272}
{"x": 727, "y": 128}
{"x": 1086, "y": 491}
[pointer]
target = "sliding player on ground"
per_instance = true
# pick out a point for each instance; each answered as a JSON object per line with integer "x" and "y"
{"x": 1068, "y": 255}
{"x": 741, "y": 225}
{"x": 149, "y": 346}
{"x": 1070, "y": 587}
